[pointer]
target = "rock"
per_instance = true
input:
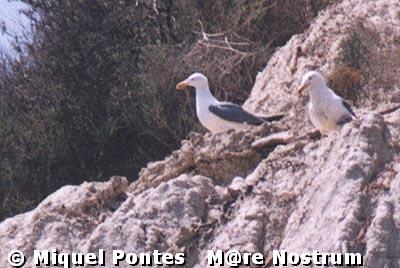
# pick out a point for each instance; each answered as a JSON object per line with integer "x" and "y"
{"x": 221, "y": 157}
{"x": 238, "y": 190}
{"x": 64, "y": 220}
{"x": 273, "y": 139}
{"x": 238, "y": 185}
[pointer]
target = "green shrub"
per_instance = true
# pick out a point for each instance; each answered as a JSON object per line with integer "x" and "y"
{"x": 347, "y": 82}
{"x": 354, "y": 53}
{"x": 353, "y": 65}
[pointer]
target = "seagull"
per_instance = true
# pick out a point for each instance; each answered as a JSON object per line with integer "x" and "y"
{"x": 217, "y": 116}
{"x": 327, "y": 111}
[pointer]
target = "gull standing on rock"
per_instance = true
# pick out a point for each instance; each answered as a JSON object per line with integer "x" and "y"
{"x": 219, "y": 116}
{"x": 327, "y": 111}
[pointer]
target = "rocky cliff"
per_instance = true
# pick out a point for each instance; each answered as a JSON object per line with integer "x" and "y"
{"x": 279, "y": 186}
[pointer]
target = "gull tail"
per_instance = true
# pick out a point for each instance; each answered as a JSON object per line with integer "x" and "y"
{"x": 344, "y": 119}
{"x": 272, "y": 118}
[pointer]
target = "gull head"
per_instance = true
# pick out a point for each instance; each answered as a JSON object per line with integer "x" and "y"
{"x": 311, "y": 79}
{"x": 196, "y": 80}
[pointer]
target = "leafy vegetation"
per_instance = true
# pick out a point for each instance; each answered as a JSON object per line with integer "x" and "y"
{"x": 353, "y": 65}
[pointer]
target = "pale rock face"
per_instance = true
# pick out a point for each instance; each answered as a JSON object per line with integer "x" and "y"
{"x": 242, "y": 190}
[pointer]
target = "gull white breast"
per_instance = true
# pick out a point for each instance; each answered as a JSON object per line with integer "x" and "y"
{"x": 327, "y": 111}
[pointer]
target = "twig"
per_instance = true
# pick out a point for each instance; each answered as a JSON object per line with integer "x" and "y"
{"x": 232, "y": 43}
{"x": 155, "y": 7}
{"x": 211, "y": 35}
{"x": 229, "y": 48}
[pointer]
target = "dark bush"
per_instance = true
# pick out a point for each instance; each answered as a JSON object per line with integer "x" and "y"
{"x": 353, "y": 65}
{"x": 347, "y": 82}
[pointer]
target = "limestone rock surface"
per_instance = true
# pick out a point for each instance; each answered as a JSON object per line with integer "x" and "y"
{"x": 277, "y": 186}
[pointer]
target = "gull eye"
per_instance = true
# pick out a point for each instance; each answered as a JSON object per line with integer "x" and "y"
{"x": 309, "y": 79}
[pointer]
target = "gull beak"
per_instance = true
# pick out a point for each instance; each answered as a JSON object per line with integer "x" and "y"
{"x": 182, "y": 85}
{"x": 301, "y": 88}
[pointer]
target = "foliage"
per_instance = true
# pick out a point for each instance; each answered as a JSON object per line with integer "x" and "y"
{"x": 347, "y": 82}
{"x": 353, "y": 65}
{"x": 354, "y": 53}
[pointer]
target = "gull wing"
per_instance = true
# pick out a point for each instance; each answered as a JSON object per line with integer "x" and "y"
{"x": 348, "y": 107}
{"x": 235, "y": 113}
